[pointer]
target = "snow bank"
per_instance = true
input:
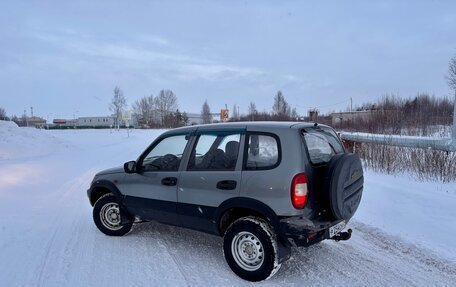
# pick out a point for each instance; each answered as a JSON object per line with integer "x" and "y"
{"x": 7, "y": 125}
{"x": 22, "y": 143}
{"x": 419, "y": 212}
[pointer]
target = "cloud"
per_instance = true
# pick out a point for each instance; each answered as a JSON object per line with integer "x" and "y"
{"x": 154, "y": 40}
{"x": 137, "y": 56}
{"x": 216, "y": 72}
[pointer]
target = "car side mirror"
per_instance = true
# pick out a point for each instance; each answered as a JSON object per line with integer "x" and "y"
{"x": 130, "y": 167}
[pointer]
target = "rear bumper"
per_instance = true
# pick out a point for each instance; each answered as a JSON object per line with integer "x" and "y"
{"x": 300, "y": 231}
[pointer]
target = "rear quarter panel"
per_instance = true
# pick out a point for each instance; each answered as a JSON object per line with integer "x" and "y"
{"x": 272, "y": 186}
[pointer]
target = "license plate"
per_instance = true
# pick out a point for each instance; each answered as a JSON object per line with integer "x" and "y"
{"x": 336, "y": 229}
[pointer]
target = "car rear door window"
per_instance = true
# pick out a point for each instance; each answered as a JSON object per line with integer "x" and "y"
{"x": 215, "y": 152}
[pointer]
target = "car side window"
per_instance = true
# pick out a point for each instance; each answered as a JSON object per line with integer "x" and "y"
{"x": 215, "y": 152}
{"x": 262, "y": 152}
{"x": 166, "y": 155}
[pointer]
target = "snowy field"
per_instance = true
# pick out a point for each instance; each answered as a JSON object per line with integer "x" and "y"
{"x": 404, "y": 232}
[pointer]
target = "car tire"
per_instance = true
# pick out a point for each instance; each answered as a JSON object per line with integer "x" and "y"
{"x": 107, "y": 216}
{"x": 250, "y": 249}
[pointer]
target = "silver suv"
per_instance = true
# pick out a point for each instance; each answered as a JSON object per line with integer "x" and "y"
{"x": 263, "y": 186}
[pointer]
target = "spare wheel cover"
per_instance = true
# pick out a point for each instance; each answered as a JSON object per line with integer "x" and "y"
{"x": 346, "y": 185}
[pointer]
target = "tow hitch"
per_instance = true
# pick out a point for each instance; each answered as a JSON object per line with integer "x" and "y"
{"x": 345, "y": 235}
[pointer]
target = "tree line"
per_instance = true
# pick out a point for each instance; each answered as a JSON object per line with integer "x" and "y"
{"x": 421, "y": 115}
{"x": 151, "y": 112}
{"x": 281, "y": 111}
{"x": 3, "y": 116}
{"x": 162, "y": 111}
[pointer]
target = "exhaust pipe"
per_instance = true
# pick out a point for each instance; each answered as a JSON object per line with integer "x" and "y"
{"x": 342, "y": 236}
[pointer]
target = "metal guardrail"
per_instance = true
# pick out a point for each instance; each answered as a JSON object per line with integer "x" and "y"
{"x": 443, "y": 144}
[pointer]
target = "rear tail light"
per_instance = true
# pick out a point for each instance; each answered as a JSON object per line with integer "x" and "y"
{"x": 299, "y": 190}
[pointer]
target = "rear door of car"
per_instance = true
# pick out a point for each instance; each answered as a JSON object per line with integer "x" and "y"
{"x": 212, "y": 175}
{"x": 320, "y": 144}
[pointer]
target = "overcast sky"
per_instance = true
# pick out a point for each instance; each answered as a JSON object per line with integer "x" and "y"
{"x": 66, "y": 58}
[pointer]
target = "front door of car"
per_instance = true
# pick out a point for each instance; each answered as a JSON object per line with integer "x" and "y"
{"x": 212, "y": 175}
{"x": 151, "y": 192}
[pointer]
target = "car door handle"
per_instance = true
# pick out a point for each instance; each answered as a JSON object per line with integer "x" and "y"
{"x": 171, "y": 181}
{"x": 227, "y": 184}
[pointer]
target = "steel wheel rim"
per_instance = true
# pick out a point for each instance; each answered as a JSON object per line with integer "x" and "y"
{"x": 110, "y": 216}
{"x": 247, "y": 250}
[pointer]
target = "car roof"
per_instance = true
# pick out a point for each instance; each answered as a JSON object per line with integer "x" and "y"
{"x": 243, "y": 126}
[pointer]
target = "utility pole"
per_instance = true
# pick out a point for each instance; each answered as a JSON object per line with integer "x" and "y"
{"x": 351, "y": 104}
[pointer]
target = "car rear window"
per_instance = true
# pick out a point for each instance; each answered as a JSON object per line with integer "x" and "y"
{"x": 322, "y": 144}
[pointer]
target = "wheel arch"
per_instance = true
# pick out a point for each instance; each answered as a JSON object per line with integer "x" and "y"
{"x": 235, "y": 208}
{"x": 102, "y": 187}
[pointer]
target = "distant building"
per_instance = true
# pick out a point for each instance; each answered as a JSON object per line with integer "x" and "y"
{"x": 106, "y": 121}
{"x": 64, "y": 122}
{"x": 194, "y": 119}
{"x": 35, "y": 122}
{"x": 87, "y": 122}
{"x": 338, "y": 118}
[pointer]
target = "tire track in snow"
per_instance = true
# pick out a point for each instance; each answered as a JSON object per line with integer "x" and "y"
{"x": 404, "y": 249}
{"x": 175, "y": 258}
{"x": 370, "y": 258}
{"x": 62, "y": 197}
{"x": 45, "y": 256}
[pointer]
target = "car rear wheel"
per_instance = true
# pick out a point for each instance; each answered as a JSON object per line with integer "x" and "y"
{"x": 250, "y": 249}
{"x": 107, "y": 216}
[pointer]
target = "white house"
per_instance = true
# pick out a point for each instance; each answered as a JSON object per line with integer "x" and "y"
{"x": 95, "y": 121}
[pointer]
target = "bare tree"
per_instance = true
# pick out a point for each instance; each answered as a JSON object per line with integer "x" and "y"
{"x": 252, "y": 108}
{"x": 3, "y": 114}
{"x": 281, "y": 107}
{"x": 252, "y": 111}
{"x": 144, "y": 111}
{"x": 206, "y": 113}
{"x": 185, "y": 118}
{"x": 235, "y": 114}
{"x": 165, "y": 103}
{"x": 451, "y": 77}
{"x": 294, "y": 114}
{"x": 118, "y": 104}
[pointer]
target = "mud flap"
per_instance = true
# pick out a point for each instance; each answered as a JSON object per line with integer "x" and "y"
{"x": 125, "y": 216}
{"x": 284, "y": 249}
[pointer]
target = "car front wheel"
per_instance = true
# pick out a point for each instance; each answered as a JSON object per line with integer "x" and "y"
{"x": 107, "y": 216}
{"x": 250, "y": 249}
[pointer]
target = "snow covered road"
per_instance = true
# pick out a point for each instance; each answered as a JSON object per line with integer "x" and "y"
{"x": 47, "y": 236}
